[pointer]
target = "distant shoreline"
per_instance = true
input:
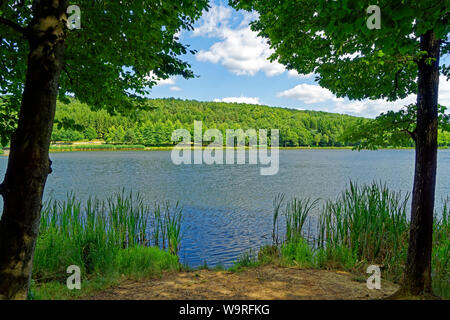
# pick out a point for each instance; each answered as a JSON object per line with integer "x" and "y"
{"x": 92, "y": 148}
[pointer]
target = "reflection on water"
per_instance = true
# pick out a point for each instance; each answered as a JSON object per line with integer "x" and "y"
{"x": 228, "y": 209}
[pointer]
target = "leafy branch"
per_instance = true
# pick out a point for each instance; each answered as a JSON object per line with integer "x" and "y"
{"x": 13, "y": 25}
{"x": 390, "y": 129}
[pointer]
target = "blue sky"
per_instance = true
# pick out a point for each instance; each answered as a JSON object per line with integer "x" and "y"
{"x": 232, "y": 66}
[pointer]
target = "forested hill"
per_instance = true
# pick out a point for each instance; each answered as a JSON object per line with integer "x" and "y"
{"x": 155, "y": 126}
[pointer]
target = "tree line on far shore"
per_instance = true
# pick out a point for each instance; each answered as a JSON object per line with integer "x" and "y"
{"x": 153, "y": 125}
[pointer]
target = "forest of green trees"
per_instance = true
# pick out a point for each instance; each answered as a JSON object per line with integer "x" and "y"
{"x": 154, "y": 125}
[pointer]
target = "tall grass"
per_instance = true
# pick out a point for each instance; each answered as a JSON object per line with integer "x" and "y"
{"x": 371, "y": 221}
{"x": 364, "y": 225}
{"x": 121, "y": 235}
{"x": 277, "y": 203}
{"x": 297, "y": 211}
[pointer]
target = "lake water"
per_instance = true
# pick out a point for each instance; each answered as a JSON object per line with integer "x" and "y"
{"x": 228, "y": 209}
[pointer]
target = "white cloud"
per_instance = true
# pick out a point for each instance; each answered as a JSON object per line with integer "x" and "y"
{"x": 175, "y": 88}
{"x": 246, "y": 100}
{"x": 315, "y": 94}
{"x": 249, "y": 17}
{"x": 240, "y": 50}
{"x": 212, "y": 21}
{"x": 166, "y": 82}
{"x": 309, "y": 94}
{"x": 160, "y": 82}
{"x": 371, "y": 108}
{"x": 295, "y": 74}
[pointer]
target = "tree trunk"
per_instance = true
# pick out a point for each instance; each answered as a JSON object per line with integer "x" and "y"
{"x": 29, "y": 164}
{"x": 417, "y": 276}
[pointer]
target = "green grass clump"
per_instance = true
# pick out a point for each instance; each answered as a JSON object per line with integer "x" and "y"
{"x": 298, "y": 251}
{"x": 297, "y": 211}
{"x": 371, "y": 221}
{"x": 363, "y": 226}
{"x": 106, "y": 239}
{"x": 142, "y": 261}
{"x": 337, "y": 257}
{"x": 248, "y": 259}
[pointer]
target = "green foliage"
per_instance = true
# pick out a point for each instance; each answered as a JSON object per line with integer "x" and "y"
{"x": 155, "y": 126}
{"x": 95, "y": 147}
{"x": 331, "y": 39}
{"x": 115, "y": 135}
{"x": 393, "y": 129}
{"x": 443, "y": 138}
{"x": 8, "y": 119}
{"x": 300, "y": 251}
{"x": 67, "y": 135}
{"x": 121, "y": 50}
{"x": 90, "y": 134}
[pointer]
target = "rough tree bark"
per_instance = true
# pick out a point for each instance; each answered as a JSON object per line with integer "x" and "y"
{"x": 417, "y": 276}
{"x": 29, "y": 164}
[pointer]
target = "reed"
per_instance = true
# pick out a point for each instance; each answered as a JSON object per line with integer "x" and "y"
{"x": 371, "y": 221}
{"x": 102, "y": 236}
{"x": 365, "y": 225}
{"x": 277, "y": 205}
{"x": 297, "y": 211}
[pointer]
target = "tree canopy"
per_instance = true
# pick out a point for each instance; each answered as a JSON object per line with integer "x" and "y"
{"x": 121, "y": 50}
{"x": 155, "y": 125}
{"x": 331, "y": 39}
{"x": 394, "y": 57}
{"x": 393, "y": 129}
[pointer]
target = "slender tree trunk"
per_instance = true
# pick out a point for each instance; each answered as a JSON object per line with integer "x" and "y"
{"x": 417, "y": 277}
{"x": 29, "y": 164}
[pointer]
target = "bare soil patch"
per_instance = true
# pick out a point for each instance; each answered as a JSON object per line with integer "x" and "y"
{"x": 261, "y": 283}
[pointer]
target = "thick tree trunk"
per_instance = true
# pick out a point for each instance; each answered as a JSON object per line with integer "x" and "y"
{"x": 417, "y": 277}
{"x": 29, "y": 163}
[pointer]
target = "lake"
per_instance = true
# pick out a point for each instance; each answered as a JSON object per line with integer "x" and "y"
{"x": 228, "y": 208}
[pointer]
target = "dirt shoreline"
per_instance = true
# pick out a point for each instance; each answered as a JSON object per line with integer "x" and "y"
{"x": 261, "y": 283}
